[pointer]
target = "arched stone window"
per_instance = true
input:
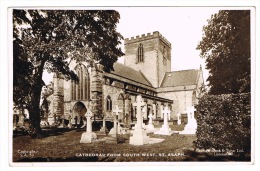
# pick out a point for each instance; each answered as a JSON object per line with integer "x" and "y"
{"x": 81, "y": 91}
{"x": 140, "y": 53}
{"x": 109, "y": 104}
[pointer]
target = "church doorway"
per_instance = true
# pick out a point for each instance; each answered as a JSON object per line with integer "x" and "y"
{"x": 78, "y": 114}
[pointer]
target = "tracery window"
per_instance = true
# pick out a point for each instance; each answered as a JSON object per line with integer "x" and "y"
{"x": 81, "y": 91}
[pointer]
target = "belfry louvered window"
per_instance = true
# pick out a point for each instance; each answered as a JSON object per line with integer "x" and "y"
{"x": 140, "y": 53}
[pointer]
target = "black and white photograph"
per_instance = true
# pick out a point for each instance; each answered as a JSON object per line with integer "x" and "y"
{"x": 131, "y": 84}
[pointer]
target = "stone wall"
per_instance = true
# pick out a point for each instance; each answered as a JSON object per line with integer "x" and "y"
{"x": 148, "y": 67}
{"x": 114, "y": 93}
{"x": 181, "y": 100}
{"x": 155, "y": 46}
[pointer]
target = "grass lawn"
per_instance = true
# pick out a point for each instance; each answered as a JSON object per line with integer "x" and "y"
{"x": 66, "y": 146}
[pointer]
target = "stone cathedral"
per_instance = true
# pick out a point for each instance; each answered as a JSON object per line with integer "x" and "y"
{"x": 146, "y": 71}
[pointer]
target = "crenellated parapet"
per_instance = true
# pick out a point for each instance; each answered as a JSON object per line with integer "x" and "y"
{"x": 147, "y": 36}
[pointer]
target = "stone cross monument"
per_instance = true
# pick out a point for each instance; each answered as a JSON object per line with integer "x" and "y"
{"x": 88, "y": 136}
{"x": 115, "y": 130}
{"x": 191, "y": 126}
{"x": 139, "y": 135}
{"x": 150, "y": 126}
{"x": 165, "y": 129}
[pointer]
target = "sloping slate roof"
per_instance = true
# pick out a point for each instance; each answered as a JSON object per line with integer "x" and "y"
{"x": 180, "y": 78}
{"x": 129, "y": 73}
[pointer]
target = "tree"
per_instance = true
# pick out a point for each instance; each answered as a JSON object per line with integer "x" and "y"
{"x": 49, "y": 39}
{"x": 226, "y": 47}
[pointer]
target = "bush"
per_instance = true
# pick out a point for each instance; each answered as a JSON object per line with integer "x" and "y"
{"x": 224, "y": 122}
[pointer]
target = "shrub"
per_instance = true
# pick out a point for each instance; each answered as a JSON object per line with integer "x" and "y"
{"x": 224, "y": 122}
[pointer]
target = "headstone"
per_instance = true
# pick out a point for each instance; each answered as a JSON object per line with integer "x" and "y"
{"x": 165, "y": 129}
{"x": 62, "y": 124}
{"x": 84, "y": 123}
{"x": 76, "y": 120}
{"x": 103, "y": 129}
{"x": 139, "y": 135}
{"x": 179, "y": 119}
{"x": 191, "y": 126}
{"x": 144, "y": 111}
{"x": 70, "y": 124}
{"x": 21, "y": 119}
{"x": 150, "y": 126}
{"x": 88, "y": 136}
{"x": 114, "y": 130}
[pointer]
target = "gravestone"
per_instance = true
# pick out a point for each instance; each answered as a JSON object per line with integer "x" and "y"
{"x": 70, "y": 124}
{"x": 179, "y": 119}
{"x": 165, "y": 129}
{"x": 76, "y": 121}
{"x": 62, "y": 124}
{"x": 88, "y": 136}
{"x": 139, "y": 135}
{"x": 21, "y": 119}
{"x": 150, "y": 126}
{"x": 114, "y": 131}
{"x": 191, "y": 126}
{"x": 103, "y": 130}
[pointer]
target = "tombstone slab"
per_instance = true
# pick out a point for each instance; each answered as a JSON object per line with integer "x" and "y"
{"x": 191, "y": 126}
{"x": 88, "y": 137}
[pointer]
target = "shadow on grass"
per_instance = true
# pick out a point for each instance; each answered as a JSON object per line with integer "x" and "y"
{"x": 47, "y": 132}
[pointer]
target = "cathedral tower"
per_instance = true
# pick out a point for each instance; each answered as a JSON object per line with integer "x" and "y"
{"x": 150, "y": 54}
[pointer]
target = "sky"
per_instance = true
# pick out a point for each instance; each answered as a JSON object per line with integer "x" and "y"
{"x": 181, "y": 26}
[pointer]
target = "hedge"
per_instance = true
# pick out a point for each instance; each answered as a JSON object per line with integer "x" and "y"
{"x": 224, "y": 122}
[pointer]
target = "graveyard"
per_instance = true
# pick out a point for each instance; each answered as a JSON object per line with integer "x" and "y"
{"x": 149, "y": 143}
{"x": 66, "y": 146}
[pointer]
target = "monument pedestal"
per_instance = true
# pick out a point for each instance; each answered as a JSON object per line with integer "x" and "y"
{"x": 164, "y": 130}
{"x": 190, "y": 128}
{"x": 150, "y": 127}
{"x": 112, "y": 132}
{"x": 88, "y": 137}
{"x": 139, "y": 137}
{"x": 103, "y": 130}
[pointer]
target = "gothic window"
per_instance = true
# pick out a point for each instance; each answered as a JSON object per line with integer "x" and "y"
{"x": 140, "y": 53}
{"x": 109, "y": 104}
{"x": 81, "y": 90}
